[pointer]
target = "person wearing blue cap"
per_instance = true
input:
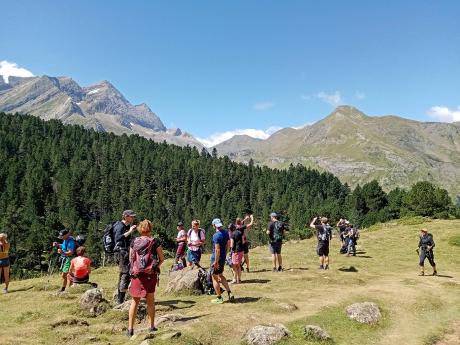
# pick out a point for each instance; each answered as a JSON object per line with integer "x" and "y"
{"x": 220, "y": 247}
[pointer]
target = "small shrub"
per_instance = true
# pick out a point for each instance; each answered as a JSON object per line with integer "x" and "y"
{"x": 455, "y": 240}
{"x": 416, "y": 220}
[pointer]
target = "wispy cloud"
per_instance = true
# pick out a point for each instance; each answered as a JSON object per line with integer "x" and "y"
{"x": 218, "y": 138}
{"x": 444, "y": 114}
{"x": 261, "y": 106}
{"x": 333, "y": 99}
{"x": 302, "y": 126}
{"x": 360, "y": 95}
{"x": 11, "y": 69}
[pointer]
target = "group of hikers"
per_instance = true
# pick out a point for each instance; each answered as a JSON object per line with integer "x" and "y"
{"x": 139, "y": 258}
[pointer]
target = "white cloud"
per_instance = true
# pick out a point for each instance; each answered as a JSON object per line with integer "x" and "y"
{"x": 11, "y": 69}
{"x": 360, "y": 95}
{"x": 445, "y": 114}
{"x": 218, "y": 138}
{"x": 333, "y": 99}
{"x": 302, "y": 126}
{"x": 261, "y": 106}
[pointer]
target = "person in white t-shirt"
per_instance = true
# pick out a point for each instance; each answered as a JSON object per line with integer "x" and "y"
{"x": 195, "y": 241}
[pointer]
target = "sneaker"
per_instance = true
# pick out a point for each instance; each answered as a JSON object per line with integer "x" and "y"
{"x": 280, "y": 269}
{"x": 130, "y": 332}
{"x": 247, "y": 270}
{"x": 218, "y": 300}
{"x": 421, "y": 274}
{"x": 5, "y": 290}
{"x": 274, "y": 269}
{"x": 231, "y": 298}
{"x": 435, "y": 273}
{"x": 326, "y": 267}
{"x": 321, "y": 267}
{"x": 233, "y": 282}
{"x": 153, "y": 329}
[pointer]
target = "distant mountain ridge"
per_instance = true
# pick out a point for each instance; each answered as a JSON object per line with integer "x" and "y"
{"x": 358, "y": 148}
{"x": 100, "y": 106}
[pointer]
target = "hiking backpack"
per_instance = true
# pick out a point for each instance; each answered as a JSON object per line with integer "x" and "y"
{"x": 278, "y": 231}
{"x": 201, "y": 234}
{"x": 206, "y": 285}
{"x": 108, "y": 238}
{"x": 145, "y": 261}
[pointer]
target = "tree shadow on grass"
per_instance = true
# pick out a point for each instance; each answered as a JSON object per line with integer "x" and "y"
{"x": 364, "y": 256}
{"x": 27, "y": 288}
{"x": 256, "y": 281}
{"x": 244, "y": 300}
{"x": 348, "y": 269}
{"x": 175, "y": 304}
{"x": 298, "y": 269}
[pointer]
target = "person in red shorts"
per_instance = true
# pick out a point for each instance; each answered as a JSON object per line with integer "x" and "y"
{"x": 145, "y": 259}
{"x": 80, "y": 268}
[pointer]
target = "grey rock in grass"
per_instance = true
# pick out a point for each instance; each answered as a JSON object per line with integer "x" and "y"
{"x": 170, "y": 319}
{"x": 186, "y": 280}
{"x": 266, "y": 334}
{"x": 93, "y": 302}
{"x": 366, "y": 312}
{"x": 313, "y": 332}
{"x": 170, "y": 335}
{"x": 288, "y": 306}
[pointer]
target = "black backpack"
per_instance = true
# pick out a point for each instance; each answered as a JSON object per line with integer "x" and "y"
{"x": 108, "y": 239}
{"x": 278, "y": 228}
{"x": 205, "y": 278}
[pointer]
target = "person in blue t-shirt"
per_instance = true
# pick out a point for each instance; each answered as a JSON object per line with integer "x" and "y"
{"x": 67, "y": 251}
{"x": 220, "y": 247}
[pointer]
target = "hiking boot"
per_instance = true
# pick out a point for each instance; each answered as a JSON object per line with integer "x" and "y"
{"x": 130, "y": 332}
{"x": 152, "y": 329}
{"x": 274, "y": 269}
{"x": 218, "y": 300}
{"x": 231, "y": 298}
{"x": 326, "y": 267}
{"x": 247, "y": 270}
{"x": 321, "y": 267}
{"x": 280, "y": 269}
{"x": 5, "y": 290}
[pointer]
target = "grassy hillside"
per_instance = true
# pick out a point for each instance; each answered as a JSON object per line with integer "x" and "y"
{"x": 416, "y": 310}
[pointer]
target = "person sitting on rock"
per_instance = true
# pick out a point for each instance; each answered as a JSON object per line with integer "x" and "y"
{"x": 80, "y": 268}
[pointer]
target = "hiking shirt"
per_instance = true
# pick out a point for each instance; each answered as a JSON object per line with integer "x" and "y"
{"x": 195, "y": 236}
{"x": 67, "y": 245}
{"x": 271, "y": 228}
{"x": 4, "y": 251}
{"x": 238, "y": 245}
{"x": 323, "y": 233}
{"x": 81, "y": 265}
{"x": 426, "y": 241}
{"x": 222, "y": 238}
{"x": 181, "y": 244}
{"x": 121, "y": 242}
{"x": 243, "y": 228}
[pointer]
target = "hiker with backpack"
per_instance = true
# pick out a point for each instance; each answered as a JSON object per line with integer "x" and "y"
{"x": 324, "y": 235}
{"x": 145, "y": 259}
{"x": 5, "y": 260}
{"x": 425, "y": 251}
{"x": 66, "y": 250}
{"x": 342, "y": 225}
{"x": 220, "y": 247}
{"x": 181, "y": 241}
{"x": 195, "y": 241}
{"x": 122, "y": 234}
{"x": 245, "y": 228}
{"x": 80, "y": 268}
{"x": 275, "y": 231}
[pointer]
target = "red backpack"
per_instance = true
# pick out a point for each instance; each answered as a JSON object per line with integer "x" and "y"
{"x": 144, "y": 259}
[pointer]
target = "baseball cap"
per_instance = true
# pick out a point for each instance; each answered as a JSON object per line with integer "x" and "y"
{"x": 273, "y": 214}
{"x": 217, "y": 223}
{"x": 129, "y": 213}
{"x": 62, "y": 233}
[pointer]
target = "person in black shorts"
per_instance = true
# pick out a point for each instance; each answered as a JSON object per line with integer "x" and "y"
{"x": 425, "y": 250}
{"x": 242, "y": 226}
{"x": 275, "y": 232}
{"x": 324, "y": 235}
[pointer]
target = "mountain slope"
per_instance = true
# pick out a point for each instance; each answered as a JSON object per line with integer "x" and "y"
{"x": 100, "y": 106}
{"x": 358, "y": 148}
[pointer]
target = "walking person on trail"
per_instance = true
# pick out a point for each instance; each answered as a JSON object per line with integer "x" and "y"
{"x": 352, "y": 234}
{"x": 195, "y": 241}
{"x": 342, "y": 225}
{"x": 123, "y": 231}
{"x": 275, "y": 231}
{"x": 67, "y": 251}
{"x": 324, "y": 235}
{"x": 145, "y": 259}
{"x": 425, "y": 251}
{"x": 220, "y": 247}
{"x": 5, "y": 260}
{"x": 181, "y": 241}
{"x": 80, "y": 268}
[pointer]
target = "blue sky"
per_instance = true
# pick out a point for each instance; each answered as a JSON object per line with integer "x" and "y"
{"x": 214, "y": 66}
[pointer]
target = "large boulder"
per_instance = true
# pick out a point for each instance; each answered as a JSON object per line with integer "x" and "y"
{"x": 266, "y": 335}
{"x": 93, "y": 302}
{"x": 366, "y": 312}
{"x": 313, "y": 332}
{"x": 186, "y": 280}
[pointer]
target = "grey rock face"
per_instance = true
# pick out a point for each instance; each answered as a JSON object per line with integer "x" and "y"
{"x": 266, "y": 335}
{"x": 313, "y": 332}
{"x": 186, "y": 280}
{"x": 366, "y": 312}
{"x": 93, "y": 302}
